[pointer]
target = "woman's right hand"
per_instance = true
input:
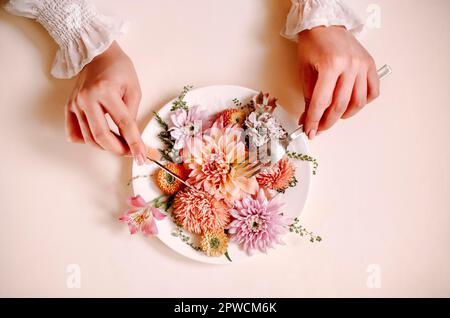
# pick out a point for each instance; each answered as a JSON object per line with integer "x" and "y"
{"x": 108, "y": 84}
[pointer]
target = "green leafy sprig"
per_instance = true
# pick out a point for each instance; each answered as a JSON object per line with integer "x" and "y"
{"x": 292, "y": 183}
{"x": 297, "y": 228}
{"x": 165, "y": 138}
{"x": 164, "y": 202}
{"x": 164, "y": 135}
{"x": 302, "y": 157}
{"x": 247, "y": 108}
{"x": 237, "y": 102}
{"x": 160, "y": 121}
{"x": 137, "y": 177}
{"x": 179, "y": 102}
{"x": 179, "y": 232}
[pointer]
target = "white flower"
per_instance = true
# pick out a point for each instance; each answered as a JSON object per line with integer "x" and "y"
{"x": 174, "y": 154}
{"x": 263, "y": 127}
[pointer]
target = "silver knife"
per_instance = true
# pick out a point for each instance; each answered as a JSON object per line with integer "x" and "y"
{"x": 171, "y": 173}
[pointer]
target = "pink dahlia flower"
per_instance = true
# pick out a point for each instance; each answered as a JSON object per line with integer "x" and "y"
{"x": 187, "y": 125}
{"x": 258, "y": 223}
{"x": 141, "y": 216}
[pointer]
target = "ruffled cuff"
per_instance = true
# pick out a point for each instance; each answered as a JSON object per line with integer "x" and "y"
{"x": 76, "y": 26}
{"x": 308, "y": 14}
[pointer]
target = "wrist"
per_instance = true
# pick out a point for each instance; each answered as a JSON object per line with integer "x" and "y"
{"x": 112, "y": 51}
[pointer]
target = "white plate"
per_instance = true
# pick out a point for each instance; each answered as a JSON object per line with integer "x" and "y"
{"x": 214, "y": 99}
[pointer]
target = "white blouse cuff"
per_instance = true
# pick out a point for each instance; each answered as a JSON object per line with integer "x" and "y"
{"x": 76, "y": 26}
{"x": 308, "y": 14}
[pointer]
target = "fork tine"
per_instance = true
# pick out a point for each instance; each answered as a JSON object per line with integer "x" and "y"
{"x": 254, "y": 173}
{"x": 241, "y": 165}
{"x": 249, "y": 169}
{"x": 245, "y": 165}
{"x": 252, "y": 169}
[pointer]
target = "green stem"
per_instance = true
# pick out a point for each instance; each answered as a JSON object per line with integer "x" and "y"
{"x": 228, "y": 256}
{"x": 297, "y": 228}
{"x": 302, "y": 157}
{"x": 136, "y": 177}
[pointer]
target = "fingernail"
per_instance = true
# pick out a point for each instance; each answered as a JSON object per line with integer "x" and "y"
{"x": 312, "y": 134}
{"x": 69, "y": 138}
{"x": 140, "y": 159}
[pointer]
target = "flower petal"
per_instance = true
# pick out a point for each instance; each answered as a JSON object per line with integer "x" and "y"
{"x": 149, "y": 228}
{"x": 133, "y": 228}
{"x": 137, "y": 202}
{"x": 124, "y": 218}
{"x": 249, "y": 185}
{"x": 178, "y": 117}
{"x": 158, "y": 214}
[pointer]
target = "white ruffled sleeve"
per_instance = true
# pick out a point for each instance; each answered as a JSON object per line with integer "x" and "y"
{"x": 307, "y": 14}
{"x": 80, "y": 31}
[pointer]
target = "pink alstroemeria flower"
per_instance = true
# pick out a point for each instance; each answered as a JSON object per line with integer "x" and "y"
{"x": 141, "y": 216}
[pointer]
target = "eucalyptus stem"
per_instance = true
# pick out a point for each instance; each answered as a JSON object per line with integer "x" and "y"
{"x": 180, "y": 103}
{"x": 237, "y": 102}
{"x": 297, "y": 228}
{"x": 302, "y": 157}
{"x": 185, "y": 238}
{"x": 137, "y": 177}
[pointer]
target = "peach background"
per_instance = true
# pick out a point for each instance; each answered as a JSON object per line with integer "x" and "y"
{"x": 381, "y": 196}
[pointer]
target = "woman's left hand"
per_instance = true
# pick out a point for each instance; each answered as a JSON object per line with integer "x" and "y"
{"x": 339, "y": 77}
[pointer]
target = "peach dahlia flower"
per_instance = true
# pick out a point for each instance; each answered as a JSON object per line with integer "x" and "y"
{"x": 214, "y": 163}
{"x": 199, "y": 212}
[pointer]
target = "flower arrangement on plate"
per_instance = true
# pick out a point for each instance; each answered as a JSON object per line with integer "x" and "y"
{"x": 222, "y": 207}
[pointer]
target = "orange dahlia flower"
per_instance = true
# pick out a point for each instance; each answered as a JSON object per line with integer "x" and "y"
{"x": 278, "y": 177}
{"x": 166, "y": 182}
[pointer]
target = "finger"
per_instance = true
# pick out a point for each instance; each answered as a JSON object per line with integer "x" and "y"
{"x": 73, "y": 130}
{"x": 303, "y": 115}
{"x": 341, "y": 99}
{"x": 101, "y": 132}
{"x": 359, "y": 96}
{"x": 132, "y": 98}
{"x": 321, "y": 99}
{"x": 86, "y": 132}
{"x": 127, "y": 126}
{"x": 308, "y": 78}
{"x": 373, "y": 84}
